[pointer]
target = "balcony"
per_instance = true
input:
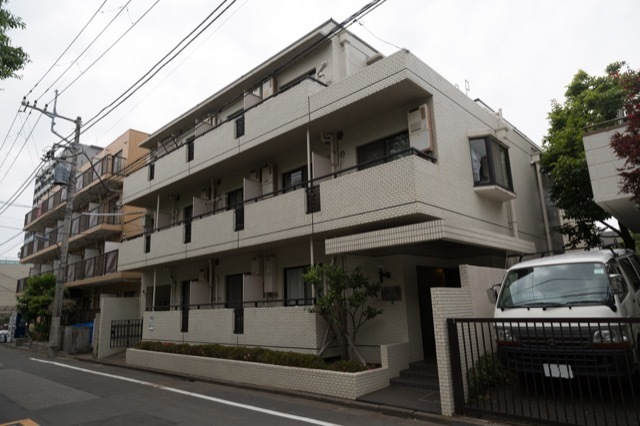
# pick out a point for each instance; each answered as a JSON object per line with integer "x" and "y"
{"x": 347, "y": 200}
{"x": 101, "y": 269}
{"x": 603, "y": 170}
{"x": 96, "y": 270}
{"x": 274, "y": 117}
{"x": 98, "y": 223}
{"x": 52, "y": 208}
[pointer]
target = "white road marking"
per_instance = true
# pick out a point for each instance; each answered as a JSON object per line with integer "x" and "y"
{"x": 195, "y": 395}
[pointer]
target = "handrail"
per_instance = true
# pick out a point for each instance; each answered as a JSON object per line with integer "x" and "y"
{"x": 309, "y": 301}
{"x": 304, "y": 184}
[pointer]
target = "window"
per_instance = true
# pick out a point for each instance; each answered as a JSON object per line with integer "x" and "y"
{"x": 383, "y": 150}
{"x": 151, "y": 171}
{"x": 233, "y": 293}
{"x": 190, "y": 149}
{"x": 296, "y": 290}
{"x": 490, "y": 163}
{"x": 234, "y": 199}
{"x": 294, "y": 179}
{"x": 188, "y": 214}
{"x": 630, "y": 273}
{"x": 116, "y": 166}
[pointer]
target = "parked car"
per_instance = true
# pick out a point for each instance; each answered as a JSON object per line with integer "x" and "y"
{"x": 4, "y": 336}
{"x": 576, "y": 314}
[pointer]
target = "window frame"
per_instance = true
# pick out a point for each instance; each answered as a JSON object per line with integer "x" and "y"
{"x": 307, "y": 288}
{"x": 290, "y": 187}
{"x": 493, "y": 149}
{"x": 387, "y": 154}
{"x": 190, "y": 147}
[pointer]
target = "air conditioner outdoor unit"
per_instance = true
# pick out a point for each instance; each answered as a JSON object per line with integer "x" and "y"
{"x": 419, "y": 122}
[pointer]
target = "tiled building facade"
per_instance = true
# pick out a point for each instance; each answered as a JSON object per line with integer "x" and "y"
{"x": 327, "y": 152}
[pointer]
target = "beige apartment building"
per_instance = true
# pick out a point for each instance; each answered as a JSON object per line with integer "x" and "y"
{"x": 99, "y": 222}
{"x": 327, "y": 152}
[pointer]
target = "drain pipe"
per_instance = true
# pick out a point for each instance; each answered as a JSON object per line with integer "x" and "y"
{"x": 535, "y": 161}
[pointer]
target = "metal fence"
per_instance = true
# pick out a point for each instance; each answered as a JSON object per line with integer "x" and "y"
{"x": 581, "y": 371}
{"x": 125, "y": 333}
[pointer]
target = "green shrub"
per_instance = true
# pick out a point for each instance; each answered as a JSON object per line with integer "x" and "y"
{"x": 259, "y": 355}
{"x": 485, "y": 374}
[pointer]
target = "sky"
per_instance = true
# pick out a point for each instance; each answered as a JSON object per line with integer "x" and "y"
{"x": 514, "y": 55}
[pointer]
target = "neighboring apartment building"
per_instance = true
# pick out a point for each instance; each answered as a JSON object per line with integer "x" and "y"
{"x": 605, "y": 179}
{"x": 327, "y": 152}
{"x": 99, "y": 222}
{"x": 10, "y": 272}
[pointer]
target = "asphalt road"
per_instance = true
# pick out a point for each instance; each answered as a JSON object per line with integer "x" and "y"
{"x": 66, "y": 391}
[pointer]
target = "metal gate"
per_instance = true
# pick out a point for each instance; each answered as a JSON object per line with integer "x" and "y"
{"x": 577, "y": 371}
{"x": 125, "y": 333}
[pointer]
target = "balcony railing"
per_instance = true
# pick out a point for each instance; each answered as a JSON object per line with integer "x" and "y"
{"x": 101, "y": 215}
{"x": 235, "y": 305}
{"x": 97, "y": 266}
{"x": 108, "y": 165}
{"x": 312, "y": 198}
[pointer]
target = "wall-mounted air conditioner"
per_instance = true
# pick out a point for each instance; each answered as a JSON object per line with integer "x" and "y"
{"x": 419, "y": 122}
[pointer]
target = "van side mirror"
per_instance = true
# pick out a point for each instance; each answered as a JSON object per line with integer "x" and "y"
{"x": 492, "y": 293}
{"x": 617, "y": 285}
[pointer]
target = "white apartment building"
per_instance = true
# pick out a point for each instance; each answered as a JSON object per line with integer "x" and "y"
{"x": 327, "y": 152}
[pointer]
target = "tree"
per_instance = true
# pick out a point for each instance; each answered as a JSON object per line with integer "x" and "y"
{"x": 627, "y": 145}
{"x": 342, "y": 299}
{"x": 36, "y": 302}
{"x": 588, "y": 100}
{"x": 12, "y": 59}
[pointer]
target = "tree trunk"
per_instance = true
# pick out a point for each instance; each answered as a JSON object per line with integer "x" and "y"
{"x": 629, "y": 242}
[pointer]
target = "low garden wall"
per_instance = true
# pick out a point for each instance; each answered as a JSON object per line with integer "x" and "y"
{"x": 331, "y": 383}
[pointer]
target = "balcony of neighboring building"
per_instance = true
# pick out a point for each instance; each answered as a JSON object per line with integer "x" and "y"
{"x": 97, "y": 223}
{"x": 91, "y": 184}
{"x": 88, "y": 267}
{"x": 336, "y": 202}
{"x": 606, "y": 182}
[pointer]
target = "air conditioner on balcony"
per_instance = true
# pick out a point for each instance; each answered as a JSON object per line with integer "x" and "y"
{"x": 419, "y": 122}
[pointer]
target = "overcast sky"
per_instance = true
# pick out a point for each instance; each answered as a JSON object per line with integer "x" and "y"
{"x": 515, "y": 55}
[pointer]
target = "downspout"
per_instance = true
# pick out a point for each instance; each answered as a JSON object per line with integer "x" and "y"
{"x": 153, "y": 299}
{"x": 513, "y": 219}
{"x": 535, "y": 159}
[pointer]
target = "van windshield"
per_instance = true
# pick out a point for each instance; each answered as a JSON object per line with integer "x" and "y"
{"x": 556, "y": 285}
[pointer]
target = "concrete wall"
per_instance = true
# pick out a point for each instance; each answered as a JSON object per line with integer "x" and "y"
{"x": 112, "y": 308}
{"x": 466, "y": 301}
{"x": 331, "y": 383}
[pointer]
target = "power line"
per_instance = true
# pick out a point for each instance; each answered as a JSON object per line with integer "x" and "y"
{"x": 109, "y": 48}
{"x": 85, "y": 50}
{"x": 159, "y": 65}
{"x": 67, "y": 49}
{"x": 21, "y": 148}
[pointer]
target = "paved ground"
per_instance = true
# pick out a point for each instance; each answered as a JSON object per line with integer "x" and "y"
{"x": 406, "y": 403}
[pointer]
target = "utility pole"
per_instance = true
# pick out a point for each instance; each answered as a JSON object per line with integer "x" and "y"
{"x": 74, "y": 148}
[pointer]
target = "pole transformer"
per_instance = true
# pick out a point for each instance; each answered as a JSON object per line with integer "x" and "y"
{"x": 61, "y": 273}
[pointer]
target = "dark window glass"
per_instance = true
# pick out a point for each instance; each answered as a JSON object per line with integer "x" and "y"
{"x": 383, "y": 150}
{"x": 234, "y": 291}
{"x": 490, "y": 163}
{"x": 297, "y": 290}
{"x": 294, "y": 179}
{"x": 234, "y": 199}
{"x": 190, "y": 150}
{"x": 152, "y": 171}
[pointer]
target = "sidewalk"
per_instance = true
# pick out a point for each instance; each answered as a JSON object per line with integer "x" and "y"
{"x": 398, "y": 402}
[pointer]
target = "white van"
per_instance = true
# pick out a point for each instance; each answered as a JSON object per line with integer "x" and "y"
{"x": 575, "y": 314}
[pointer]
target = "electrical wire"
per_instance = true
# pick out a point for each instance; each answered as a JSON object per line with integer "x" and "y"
{"x": 21, "y": 148}
{"x": 159, "y": 65}
{"x": 84, "y": 51}
{"x": 109, "y": 48}
{"x": 66, "y": 49}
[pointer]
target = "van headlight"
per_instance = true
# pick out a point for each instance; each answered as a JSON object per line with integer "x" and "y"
{"x": 505, "y": 335}
{"x": 612, "y": 336}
